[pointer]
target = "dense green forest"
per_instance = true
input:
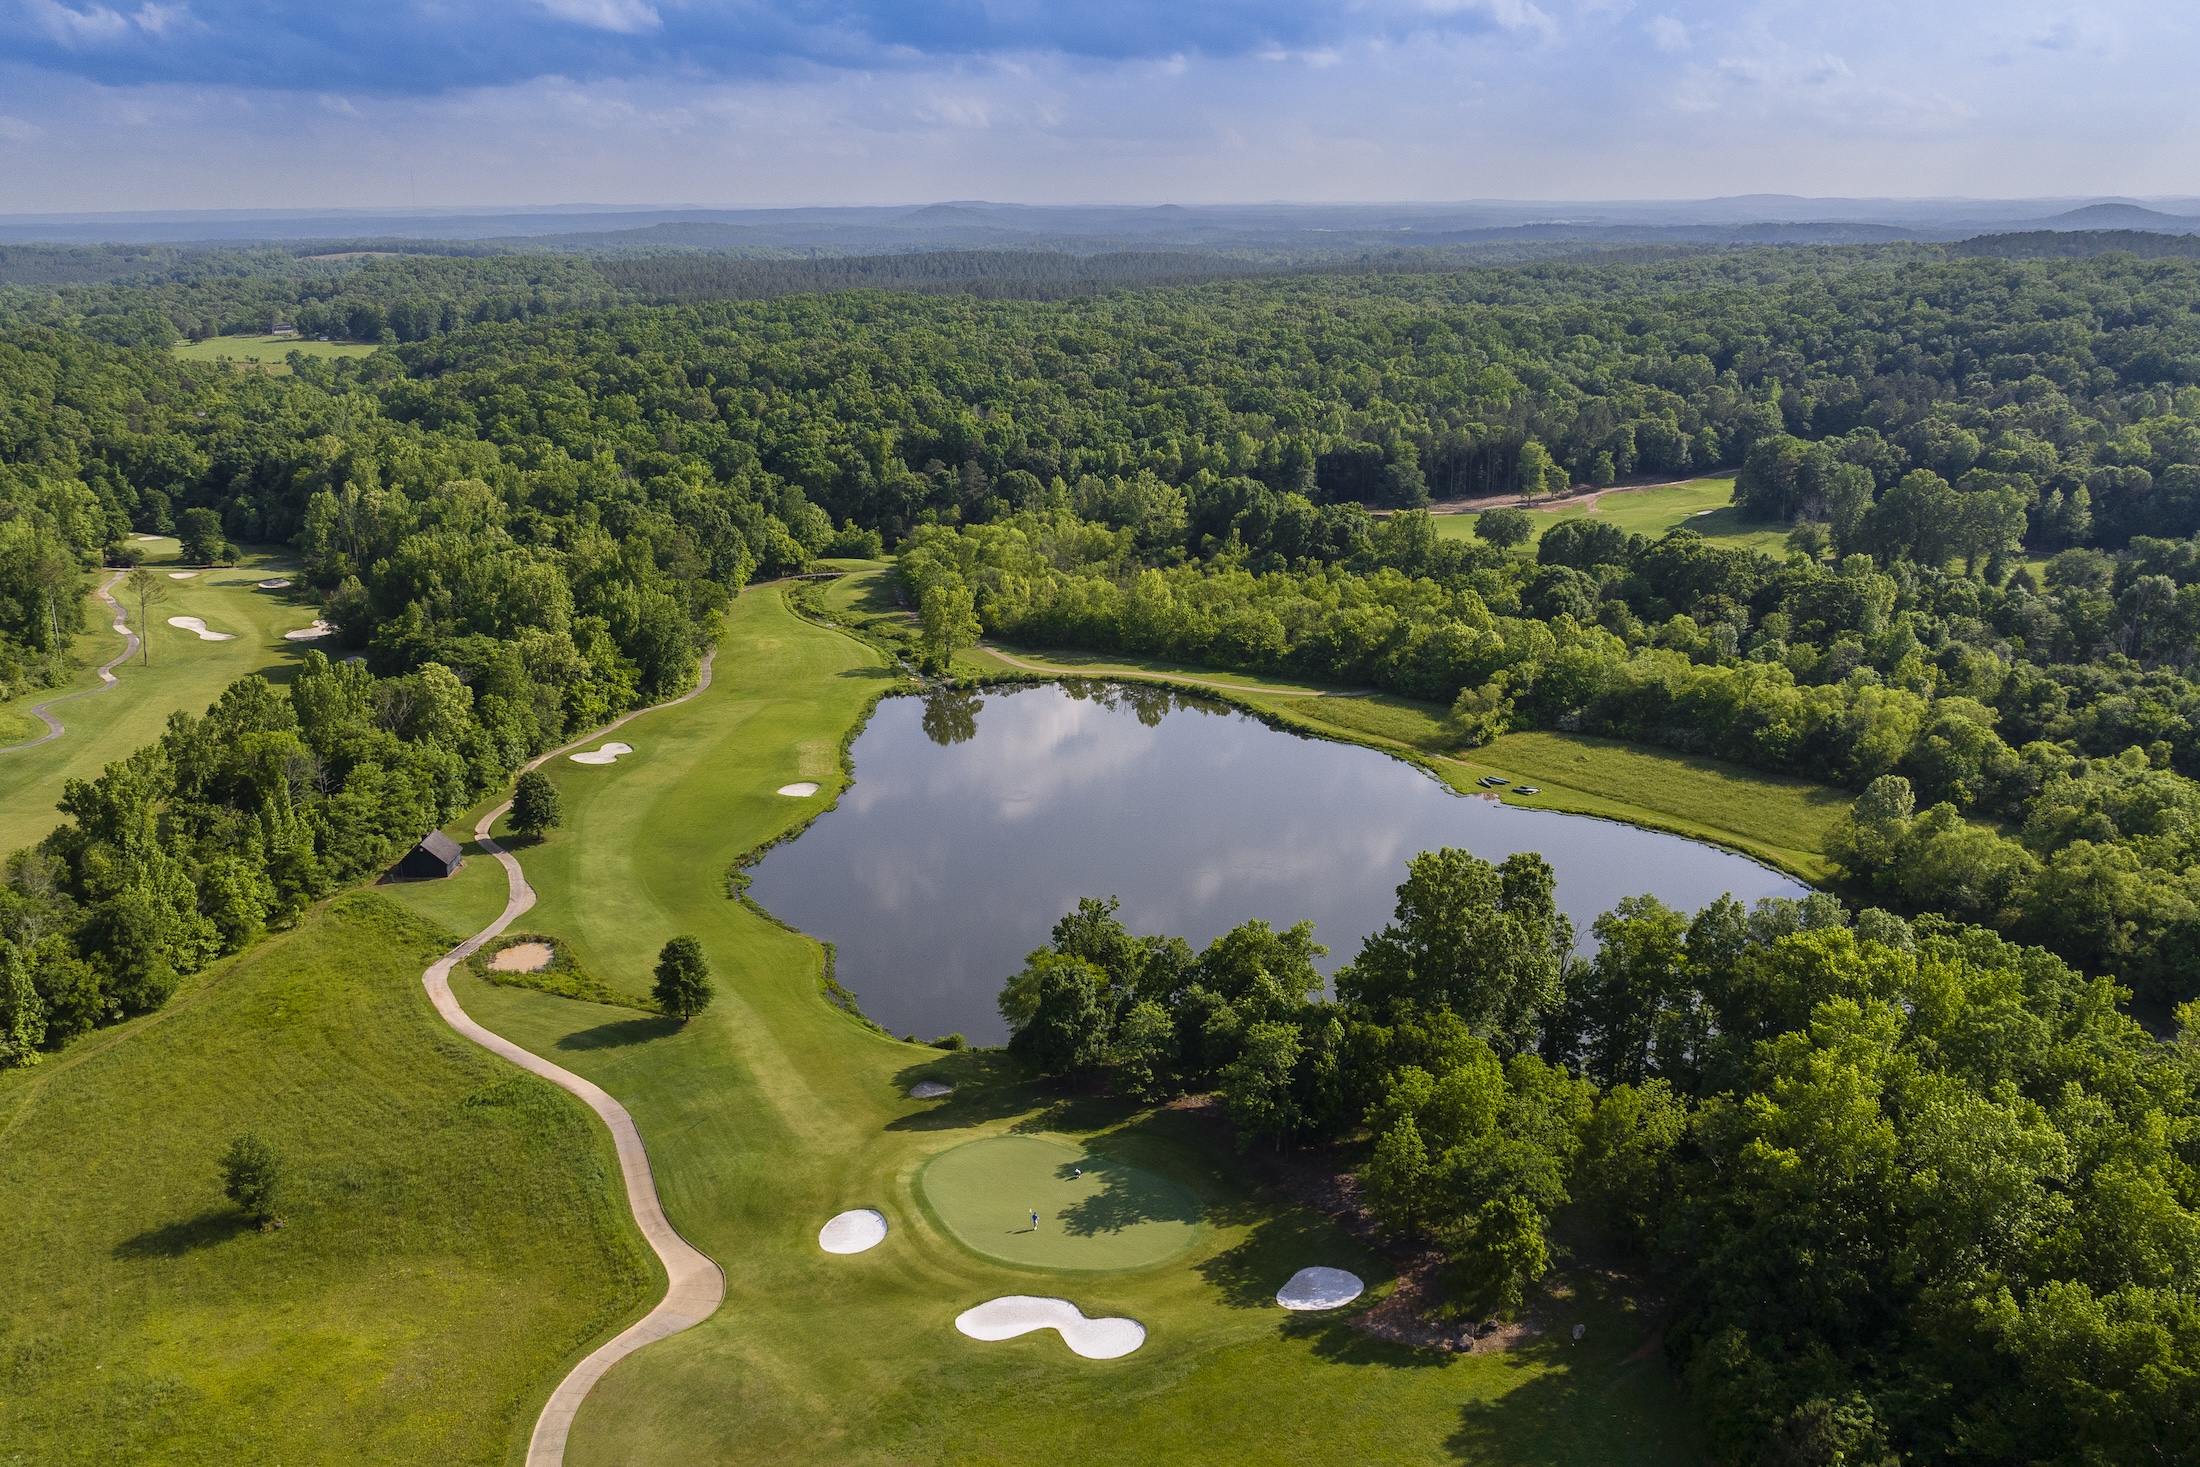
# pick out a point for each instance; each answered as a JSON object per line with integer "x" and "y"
{"x": 1921, "y": 1186}
{"x": 1920, "y": 1194}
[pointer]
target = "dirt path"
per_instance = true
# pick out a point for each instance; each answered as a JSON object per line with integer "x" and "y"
{"x": 1587, "y": 501}
{"x": 695, "y": 1287}
{"x": 1170, "y": 677}
{"x": 54, "y": 729}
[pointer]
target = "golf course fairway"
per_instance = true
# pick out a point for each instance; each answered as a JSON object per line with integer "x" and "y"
{"x": 1093, "y": 1212}
{"x": 773, "y": 1111}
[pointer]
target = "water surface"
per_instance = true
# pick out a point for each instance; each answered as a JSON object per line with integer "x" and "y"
{"x": 975, "y": 822}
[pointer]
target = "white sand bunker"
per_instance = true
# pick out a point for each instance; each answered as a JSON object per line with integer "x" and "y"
{"x": 193, "y": 624}
{"x": 277, "y": 585}
{"x": 319, "y": 628}
{"x": 853, "y": 1232}
{"x": 608, "y": 754}
{"x": 148, "y": 539}
{"x": 798, "y": 791}
{"x": 181, "y": 575}
{"x": 523, "y": 957}
{"x": 1019, "y": 1314}
{"x": 929, "y": 1090}
{"x": 1320, "y": 1288}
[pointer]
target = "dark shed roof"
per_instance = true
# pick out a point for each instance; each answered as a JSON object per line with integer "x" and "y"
{"x": 436, "y": 855}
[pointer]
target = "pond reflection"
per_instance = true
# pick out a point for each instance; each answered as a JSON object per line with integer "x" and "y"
{"x": 977, "y": 819}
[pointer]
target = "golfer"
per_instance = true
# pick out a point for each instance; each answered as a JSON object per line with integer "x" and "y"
{"x": 1035, "y": 1222}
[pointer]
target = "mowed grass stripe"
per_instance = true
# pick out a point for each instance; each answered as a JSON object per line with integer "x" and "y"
{"x": 773, "y": 1111}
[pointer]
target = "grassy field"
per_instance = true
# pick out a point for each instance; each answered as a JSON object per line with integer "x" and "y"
{"x": 453, "y": 1240}
{"x": 1778, "y": 820}
{"x": 268, "y": 353}
{"x": 773, "y": 1111}
{"x": 1703, "y": 505}
{"x": 185, "y": 673}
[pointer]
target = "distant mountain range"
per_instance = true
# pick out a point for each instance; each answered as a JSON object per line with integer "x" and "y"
{"x": 1258, "y": 229}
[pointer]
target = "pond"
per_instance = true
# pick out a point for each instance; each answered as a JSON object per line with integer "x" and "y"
{"x": 976, "y": 821}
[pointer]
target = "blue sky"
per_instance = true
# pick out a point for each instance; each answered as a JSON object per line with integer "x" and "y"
{"x": 269, "y": 103}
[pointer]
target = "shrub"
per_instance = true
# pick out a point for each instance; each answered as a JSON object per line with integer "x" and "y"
{"x": 252, "y": 1177}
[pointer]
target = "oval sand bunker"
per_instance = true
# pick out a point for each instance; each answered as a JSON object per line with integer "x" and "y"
{"x": 1320, "y": 1288}
{"x": 319, "y": 628}
{"x": 197, "y": 627}
{"x": 798, "y": 791}
{"x": 181, "y": 575}
{"x": 853, "y": 1231}
{"x": 523, "y": 957}
{"x": 1095, "y": 1213}
{"x": 1020, "y": 1314}
{"x": 608, "y": 754}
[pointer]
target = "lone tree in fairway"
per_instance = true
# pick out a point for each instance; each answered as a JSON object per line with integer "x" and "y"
{"x": 683, "y": 979}
{"x": 149, "y": 590}
{"x": 535, "y": 806}
{"x": 252, "y": 1177}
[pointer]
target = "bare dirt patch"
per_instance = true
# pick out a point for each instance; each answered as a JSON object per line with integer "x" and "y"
{"x": 524, "y": 957}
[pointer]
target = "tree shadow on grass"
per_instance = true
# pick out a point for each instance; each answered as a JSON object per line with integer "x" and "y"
{"x": 1076, "y": 1114}
{"x": 1279, "y": 1245}
{"x": 620, "y": 1033}
{"x": 173, "y": 1240}
{"x": 988, "y": 1085}
{"x": 1127, "y": 1197}
{"x": 1596, "y": 1411}
{"x": 1336, "y": 1342}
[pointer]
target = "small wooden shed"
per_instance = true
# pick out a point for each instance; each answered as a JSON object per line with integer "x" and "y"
{"x": 437, "y": 855}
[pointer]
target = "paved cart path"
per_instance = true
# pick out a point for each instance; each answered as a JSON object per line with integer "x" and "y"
{"x": 695, "y": 1286}
{"x": 107, "y": 682}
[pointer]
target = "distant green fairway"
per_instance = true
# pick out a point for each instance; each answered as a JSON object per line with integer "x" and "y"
{"x": 268, "y": 353}
{"x": 1114, "y": 1216}
{"x": 1703, "y": 505}
{"x": 185, "y": 672}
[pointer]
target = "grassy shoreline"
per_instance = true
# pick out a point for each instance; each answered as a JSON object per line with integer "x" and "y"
{"x": 1770, "y": 818}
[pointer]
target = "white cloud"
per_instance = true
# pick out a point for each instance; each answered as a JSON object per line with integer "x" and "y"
{"x": 1521, "y": 17}
{"x": 16, "y": 130}
{"x": 156, "y": 20}
{"x": 76, "y": 27}
{"x": 1768, "y": 98}
{"x": 627, "y": 17}
{"x": 1668, "y": 34}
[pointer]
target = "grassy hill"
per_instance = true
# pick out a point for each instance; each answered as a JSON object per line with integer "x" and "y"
{"x": 453, "y": 1239}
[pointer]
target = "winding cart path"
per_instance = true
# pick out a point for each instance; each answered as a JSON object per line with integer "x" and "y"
{"x": 695, "y": 1286}
{"x": 107, "y": 681}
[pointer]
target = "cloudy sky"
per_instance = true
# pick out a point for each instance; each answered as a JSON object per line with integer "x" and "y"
{"x": 171, "y": 104}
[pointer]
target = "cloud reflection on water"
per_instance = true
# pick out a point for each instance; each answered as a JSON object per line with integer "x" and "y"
{"x": 945, "y": 863}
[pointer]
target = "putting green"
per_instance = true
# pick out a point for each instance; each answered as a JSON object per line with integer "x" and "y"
{"x": 1114, "y": 1216}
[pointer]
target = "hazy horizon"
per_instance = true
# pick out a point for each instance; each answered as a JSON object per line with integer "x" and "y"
{"x": 224, "y": 104}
